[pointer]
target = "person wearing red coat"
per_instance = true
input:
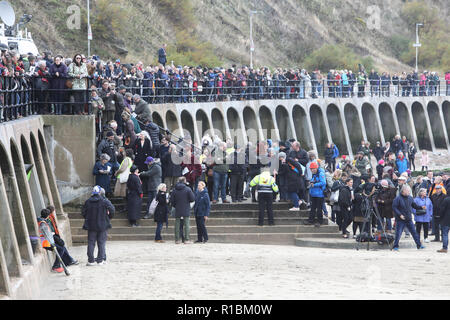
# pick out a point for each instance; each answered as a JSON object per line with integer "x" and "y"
{"x": 191, "y": 169}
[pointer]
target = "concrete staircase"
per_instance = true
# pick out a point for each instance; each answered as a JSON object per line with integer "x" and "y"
{"x": 228, "y": 223}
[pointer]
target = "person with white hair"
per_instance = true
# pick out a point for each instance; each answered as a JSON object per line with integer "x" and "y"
{"x": 102, "y": 172}
{"x": 403, "y": 206}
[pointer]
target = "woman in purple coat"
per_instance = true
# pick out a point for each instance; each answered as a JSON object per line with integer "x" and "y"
{"x": 58, "y": 73}
{"x": 423, "y": 217}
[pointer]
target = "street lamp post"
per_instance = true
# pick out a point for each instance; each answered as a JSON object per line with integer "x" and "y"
{"x": 89, "y": 29}
{"x": 417, "y": 44}
{"x": 252, "y": 47}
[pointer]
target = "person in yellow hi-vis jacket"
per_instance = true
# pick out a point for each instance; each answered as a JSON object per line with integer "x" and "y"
{"x": 266, "y": 185}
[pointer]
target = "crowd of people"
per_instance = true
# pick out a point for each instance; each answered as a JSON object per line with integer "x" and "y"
{"x": 179, "y": 176}
{"x": 63, "y": 85}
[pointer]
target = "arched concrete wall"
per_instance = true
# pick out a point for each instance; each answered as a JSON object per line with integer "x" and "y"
{"x": 370, "y": 122}
{"x": 352, "y": 119}
{"x": 353, "y": 125}
{"x": 421, "y": 126}
{"x": 202, "y": 122}
{"x": 267, "y": 123}
{"x": 218, "y": 123}
{"x": 387, "y": 121}
{"x": 158, "y": 119}
{"x": 319, "y": 126}
{"x": 439, "y": 135}
{"x": 337, "y": 128}
{"x": 22, "y": 143}
{"x": 446, "y": 117}
{"x": 404, "y": 121}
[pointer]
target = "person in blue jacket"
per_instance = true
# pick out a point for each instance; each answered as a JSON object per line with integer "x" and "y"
{"x": 335, "y": 155}
{"x": 316, "y": 192}
{"x": 201, "y": 212}
{"x": 403, "y": 206}
{"x": 423, "y": 217}
{"x": 401, "y": 162}
{"x": 102, "y": 172}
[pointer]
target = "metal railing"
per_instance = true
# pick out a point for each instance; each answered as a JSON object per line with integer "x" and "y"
{"x": 22, "y": 96}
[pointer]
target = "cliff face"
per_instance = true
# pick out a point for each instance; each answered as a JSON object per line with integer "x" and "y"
{"x": 285, "y": 32}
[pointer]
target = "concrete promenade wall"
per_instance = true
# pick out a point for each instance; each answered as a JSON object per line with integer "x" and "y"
{"x": 27, "y": 185}
{"x": 314, "y": 122}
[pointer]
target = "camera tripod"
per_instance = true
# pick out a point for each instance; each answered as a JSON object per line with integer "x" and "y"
{"x": 371, "y": 211}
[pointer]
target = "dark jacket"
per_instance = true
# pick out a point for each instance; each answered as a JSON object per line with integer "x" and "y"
{"x": 301, "y": 155}
{"x": 444, "y": 212}
{"x": 170, "y": 169}
{"x": 58, "y": 82}
{"x": 329, "y": 152}
{"x": 180, "y": 199}
{"x": 155, "y": 136}
{"x": 384, "y": 202}
{"x": 202, "y": 203}
{"x": 292, "y": 171}
{"x": 162, "y": 209}
{"x": 134, "y": 200}
{"x": 239, "y": 165}
{"x": 141, "y": 153}
{"x": 403, "y": 206}
{"x": 97, "y": 211}
{"x": 437, "y": 201}
{"x": 153, "y": 175}
{"x": 345, "y": 198}
{"x": 142, "y": 111}
{"x": 162, "y": 56}
{"x": 378, "y": 152}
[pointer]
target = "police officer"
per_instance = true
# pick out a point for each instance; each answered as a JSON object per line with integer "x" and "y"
{"x": 265, "y": 185}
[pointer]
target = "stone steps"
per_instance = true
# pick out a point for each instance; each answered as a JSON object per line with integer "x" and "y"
{"x": 122, "y": 221}
{"x": 228, "y": 223}
{"x": 228, "y": 229}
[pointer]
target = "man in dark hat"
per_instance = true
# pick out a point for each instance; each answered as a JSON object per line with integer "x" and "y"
{"x": 153, "y": 178}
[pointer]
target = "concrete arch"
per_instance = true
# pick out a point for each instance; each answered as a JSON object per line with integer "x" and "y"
{"x": 420, "y": 123}
{"x": 267, "y": 124}
{"x": 51, "y": 180}
{"x": 38, "y": 162}
{"x": 436, "y": 125}
{"x": 446, "y": 116}
{"x": 234, "y": 124}
{"x": 284, "y": 126}
{"x": 171, "y": 121}
{"x": 404, "y": 121}
{"x": 218, "y": 124}
{"x": 188, "y": 124}
{"x": 337, "y": 128}
{"x": 319, "y": 128}
{"x": 202, "y": 122}
{"x": 26, "y": 222}
{"x": 14, "y": 241}
{"x": 158, "y": 119}
{"x": 387, "y": 121}
{"x": 354, "y": 128}
{"x": 251, "y": 125}
{"x": 32, "y": 176}
{"x": 371, "y": 123}
{"x": 302, "y": 128}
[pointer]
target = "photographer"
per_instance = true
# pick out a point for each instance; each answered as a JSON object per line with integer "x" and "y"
{"x": 384, "y": 200}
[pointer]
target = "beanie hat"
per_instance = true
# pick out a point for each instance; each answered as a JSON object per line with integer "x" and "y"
{"x": 313, "y": 165}
{"x": 381, "y": 162}
{"x": 110, "y": 134}
{"x": 96, "y": 190}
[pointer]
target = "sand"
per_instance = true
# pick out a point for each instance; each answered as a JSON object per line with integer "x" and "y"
{"x": 146, "y": 270}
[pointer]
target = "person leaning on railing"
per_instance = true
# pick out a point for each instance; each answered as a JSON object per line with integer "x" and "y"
{"x": 78, "y": 71}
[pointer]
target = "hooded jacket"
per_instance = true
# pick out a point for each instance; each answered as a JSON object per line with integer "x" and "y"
{"x": 97, "y": 211}
{"x": 180, "y": 199}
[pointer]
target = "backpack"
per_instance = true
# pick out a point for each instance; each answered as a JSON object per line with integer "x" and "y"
{"x": 364, "y": 237}
{"x": 385, "y": 239}
{"x": 152, "y": 208}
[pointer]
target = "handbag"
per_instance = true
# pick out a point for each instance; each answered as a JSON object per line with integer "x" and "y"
{"x": 152, "y": 208}
{"x": 123, "y": 178}
{"x": 421, "y": 212}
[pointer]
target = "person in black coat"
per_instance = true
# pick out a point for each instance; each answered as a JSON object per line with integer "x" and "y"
{"x": 171, "y": 171}
{"x": 162, "y": 55}
{"x": 134, "y": 196}
{"x": 378, "y": 151}
{"x": 292, "y": 171}
{"x": 142, "y": 150}
{"x": 201, "y": 211}
{"x": 97, "y": 212}
{"x": 237, "y": 173}
{"x": 329, "y": 152}
{"x": 345, "y": 202}
{"x": 153, "y": 177}
{"x": 161, "y": 212}
{"x": 444, "y": 213}
{"x": 58, "y": 73}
